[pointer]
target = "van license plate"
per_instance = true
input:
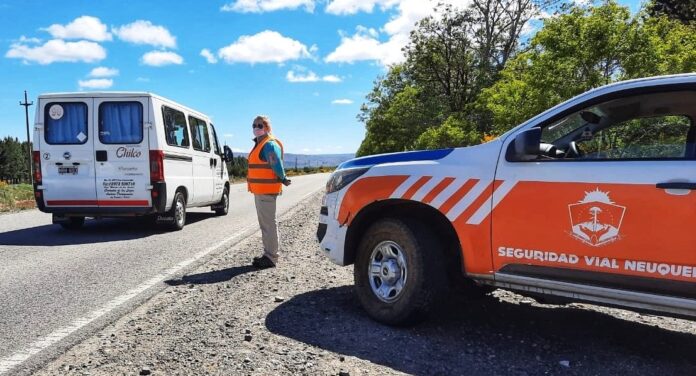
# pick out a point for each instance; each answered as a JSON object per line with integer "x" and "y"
{"x": 67, "y": 170}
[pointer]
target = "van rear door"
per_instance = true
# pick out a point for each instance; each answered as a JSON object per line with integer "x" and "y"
{"x": 121, "y": 145}
{"x": 67, "y": 151}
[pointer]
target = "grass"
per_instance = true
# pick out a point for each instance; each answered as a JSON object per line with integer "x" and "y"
{"x": 16, "y": 197}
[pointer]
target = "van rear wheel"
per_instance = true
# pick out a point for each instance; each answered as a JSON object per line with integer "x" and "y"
{"x": 223, "y": 207}
{"x": 178, "y": 212}
{"x": 399, "y": 272}
{"x": 73, "y": 223}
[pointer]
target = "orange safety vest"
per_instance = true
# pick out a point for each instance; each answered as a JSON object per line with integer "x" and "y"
{"x": 261, "y": 180}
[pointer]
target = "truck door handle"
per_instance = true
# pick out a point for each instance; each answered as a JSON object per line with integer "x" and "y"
{"x": 101, "y": 156}
{"x": 213, "y": 162}
{"x": 677, "y": 185}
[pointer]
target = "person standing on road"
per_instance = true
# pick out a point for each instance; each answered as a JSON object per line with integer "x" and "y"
{"x": 265, "y": 180}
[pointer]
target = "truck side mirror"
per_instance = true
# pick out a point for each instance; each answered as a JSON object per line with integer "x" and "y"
{"x": 227, "y": 155}
{"x": 527, "y": 144}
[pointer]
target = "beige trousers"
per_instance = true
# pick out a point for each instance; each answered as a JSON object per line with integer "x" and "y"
{"x": 266, "y": 212}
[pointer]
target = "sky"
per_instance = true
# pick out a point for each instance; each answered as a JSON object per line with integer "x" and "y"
{"x": 307, "y": 64}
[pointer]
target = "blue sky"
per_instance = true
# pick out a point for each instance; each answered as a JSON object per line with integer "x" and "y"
{"x": 307, "y": 64}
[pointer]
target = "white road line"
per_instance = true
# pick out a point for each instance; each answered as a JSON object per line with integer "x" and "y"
{"x": 485, "y": 209}
{"x": 10, "y": 362}
{"x": 405, "y": 186}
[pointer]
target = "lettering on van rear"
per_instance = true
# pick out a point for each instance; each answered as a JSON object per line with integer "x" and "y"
{"x": 124, "y": 152}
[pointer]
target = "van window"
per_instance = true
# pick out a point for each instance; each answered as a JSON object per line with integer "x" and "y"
{"x": 66, "y": 123}
{"x": 175, "y": 127}
{"x": 121, "y": 123}
{"x": 199, "y": 134}
{"x": 216, "y": 140}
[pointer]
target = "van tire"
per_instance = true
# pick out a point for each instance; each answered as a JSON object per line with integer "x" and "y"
{"x": 73, "y": 223}
{"x": 425, "y": 283}
{"x": 224, "y": 204}
{"x": 178, "y": 212}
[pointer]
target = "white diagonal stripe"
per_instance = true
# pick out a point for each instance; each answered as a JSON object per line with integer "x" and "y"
{"x": 405, "y": 186}
{"x": 426, "y": 188}
{"x": 448, "y": 192}
{"x": 485, "y": 209}
{"x": 464, "y": 203}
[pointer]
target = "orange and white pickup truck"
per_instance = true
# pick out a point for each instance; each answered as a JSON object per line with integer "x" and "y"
{"x": 592, "y": 200}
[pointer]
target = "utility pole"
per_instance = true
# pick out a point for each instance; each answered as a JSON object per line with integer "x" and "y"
{"x": 26, "y": 105}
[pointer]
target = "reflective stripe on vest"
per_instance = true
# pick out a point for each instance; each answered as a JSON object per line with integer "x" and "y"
{"x": 261, "y": 179}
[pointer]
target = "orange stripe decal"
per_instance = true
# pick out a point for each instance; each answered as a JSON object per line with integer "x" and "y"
{"x": 461, "y": 192}
{"x": 415, "y": 187}
{"x": 480, "y": 200}
{"x": 438, "y": 188}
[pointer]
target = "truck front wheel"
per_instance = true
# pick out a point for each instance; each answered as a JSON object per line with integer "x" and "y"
{"x": 399, "y": 272}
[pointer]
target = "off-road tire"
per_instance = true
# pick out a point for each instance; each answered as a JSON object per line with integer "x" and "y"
{"x": 426, "y": 281}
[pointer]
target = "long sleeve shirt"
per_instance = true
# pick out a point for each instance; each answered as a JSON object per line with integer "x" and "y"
{"x": 272, "y": 154}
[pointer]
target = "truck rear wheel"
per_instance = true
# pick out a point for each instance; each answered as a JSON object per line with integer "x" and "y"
{"x": 178, "y": 212}
{"x": 399, "y": 272}
{"x": 73, "y": 223}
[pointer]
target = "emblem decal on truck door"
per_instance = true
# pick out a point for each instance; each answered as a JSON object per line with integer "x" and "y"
{"x": 596, "y": 220}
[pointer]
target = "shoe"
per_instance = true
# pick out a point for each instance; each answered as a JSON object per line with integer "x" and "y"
{"x": 263, "y": 262}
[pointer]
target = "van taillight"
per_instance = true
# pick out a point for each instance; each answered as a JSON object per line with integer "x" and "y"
{"x": 156, "y": 166}
{"x": 36, "y": 158}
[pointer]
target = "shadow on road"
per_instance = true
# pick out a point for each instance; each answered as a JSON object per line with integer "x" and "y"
{"x": 215, "y": 276}
{"x": 486, "y": 337}
{"x": 94, "y": 231}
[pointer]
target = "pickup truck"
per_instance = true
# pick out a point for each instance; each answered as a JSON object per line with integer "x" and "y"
{"x": 590, "y": 201}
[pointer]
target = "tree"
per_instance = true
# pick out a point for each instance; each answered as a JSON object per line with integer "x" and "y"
{"x": 454, "y": 132}
{"x": 450, "y": 58}
{"x": 681, "y": 10}
{"x": 13, "y": 159}
{"x": 584, "y": 49}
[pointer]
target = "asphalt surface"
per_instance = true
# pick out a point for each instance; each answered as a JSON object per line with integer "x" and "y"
{"x": 303, "y": 318}
{"x": 50, "y": 277}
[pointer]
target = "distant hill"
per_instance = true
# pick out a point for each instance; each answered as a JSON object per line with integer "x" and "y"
{"x": 314, "y": 160}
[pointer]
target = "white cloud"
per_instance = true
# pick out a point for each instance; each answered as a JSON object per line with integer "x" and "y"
{"x": 142, "y": 79}
{"x": 160, "y": 58}
{"x": 96, "y": 83}
{"x": 259, "y": 6}
{"x": 265, "y": 47}
{"x": 342, "y": 101}
{"x": 365, "y": 44}
{"x": 103, "y": 72}
{"x": 208, "y": 56}
{"x": 57, "y": 50}
{"x": 354, "y": 6}
{"x": 144, "y": 32}
{"x": 310, "y": 76}
{"x": 228, "y": 135}
{"x": 24, "y": 39}
{"x": 85, "y": 27}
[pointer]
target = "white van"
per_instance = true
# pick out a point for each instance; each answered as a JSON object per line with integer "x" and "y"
{"x": 117, "y": 154}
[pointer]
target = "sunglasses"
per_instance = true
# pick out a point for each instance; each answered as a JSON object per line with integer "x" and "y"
{"x": 257, "y": 126}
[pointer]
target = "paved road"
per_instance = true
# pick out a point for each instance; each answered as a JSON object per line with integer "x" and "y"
{"x": 49, "y": 278}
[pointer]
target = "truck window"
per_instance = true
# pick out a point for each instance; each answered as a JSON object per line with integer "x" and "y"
{"x": 65, "y": 123}
{"x": 175, "y": 127}
{"x": 199, "y": 134}
{"x": 649, "y": 126}
{"x": 121, "y": 123}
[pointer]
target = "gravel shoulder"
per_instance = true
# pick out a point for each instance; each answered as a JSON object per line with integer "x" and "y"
{"x": 302, "y": 318}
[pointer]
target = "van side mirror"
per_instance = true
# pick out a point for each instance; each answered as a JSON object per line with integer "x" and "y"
{"x": 227, "y": 155}
{"x": 527, "y": 144}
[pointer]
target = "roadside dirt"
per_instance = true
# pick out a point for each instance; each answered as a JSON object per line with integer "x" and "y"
{"x": 302, "y": 318}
